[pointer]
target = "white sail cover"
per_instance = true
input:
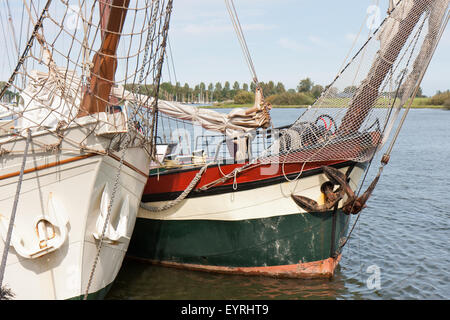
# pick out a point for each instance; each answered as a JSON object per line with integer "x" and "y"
{"x": 238, "y": 121}
{"x": 54, "y": 96}
{"x": 47, "y": 99}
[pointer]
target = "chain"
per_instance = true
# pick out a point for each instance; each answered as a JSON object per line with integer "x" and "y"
{"x": 113, "y": 194}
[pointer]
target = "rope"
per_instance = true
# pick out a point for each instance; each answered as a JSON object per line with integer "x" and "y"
{"x": 237, "y": 27}
{"x": 113, "y": 194}
{"x": 386, "y": 157}
{"x": 37, "y": 26}
{"x": 180, "y": 198}
{"x": 14, "y": 210}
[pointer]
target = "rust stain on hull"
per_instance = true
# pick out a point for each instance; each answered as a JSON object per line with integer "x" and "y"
{"x": 323, "y": 269}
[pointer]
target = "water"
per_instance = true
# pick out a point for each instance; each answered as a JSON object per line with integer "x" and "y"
{"x": 402, "y": 238}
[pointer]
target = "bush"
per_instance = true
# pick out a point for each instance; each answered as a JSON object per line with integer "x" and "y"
{"x": 439, "y": 99}
{"x": 291, "y": 98}
{"x": 447, "y": 104}
{"x": 244, "y": 97}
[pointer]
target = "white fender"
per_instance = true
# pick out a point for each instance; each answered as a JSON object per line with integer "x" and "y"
{"x": 56, "y": 218}
{"x": 112, "y": 235}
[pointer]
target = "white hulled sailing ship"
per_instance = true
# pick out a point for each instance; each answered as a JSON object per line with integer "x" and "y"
{"x": 76, "y": 142}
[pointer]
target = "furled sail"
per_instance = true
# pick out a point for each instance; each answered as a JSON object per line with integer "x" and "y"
{"x": 238, "y": 121}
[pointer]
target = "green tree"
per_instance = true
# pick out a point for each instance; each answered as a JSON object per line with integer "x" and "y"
{"x": 177, "y": 91}
{"x": 186, "y": 92}
{"x": 218, "y": 92}
{"x": 210, "y": 92}
{"x": 244, "y": 97}
{"x": 270, "y": 89}
{"x": 316, "y": 90}
{"x": 420, "y": 93}
{"x": 447, "y": 104}
{"x": 305, "y": 85}
{"x": 350, "y": 89}
{"x": 226, "y": 90}
{"x": 245, "y": 87}
{"x": 280, "y": 88}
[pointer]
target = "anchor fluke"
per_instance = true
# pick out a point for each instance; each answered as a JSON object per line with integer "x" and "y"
{"x": 310, "y": 205}
{"x": 353, "y": 205}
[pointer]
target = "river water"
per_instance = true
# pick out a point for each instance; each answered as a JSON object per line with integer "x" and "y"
{"x": 399, "y": 249}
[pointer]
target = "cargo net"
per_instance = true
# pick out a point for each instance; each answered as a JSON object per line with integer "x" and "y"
{"x": 82, "y": 62}
{"x": 356, "y": 112}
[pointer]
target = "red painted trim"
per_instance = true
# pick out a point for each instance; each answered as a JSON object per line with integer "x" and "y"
{"x": 179, "y": 181}
{"x": 323, "y": 269}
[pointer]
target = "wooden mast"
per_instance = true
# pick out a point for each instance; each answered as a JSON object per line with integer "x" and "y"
{"x": 369, "y": 91}
{"x": 112, "y": 18}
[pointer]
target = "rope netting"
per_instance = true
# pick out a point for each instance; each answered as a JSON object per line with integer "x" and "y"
{"x": 350, "y": 120}
{"x": 356, "y": 112}
{"x": 83, "y": 61}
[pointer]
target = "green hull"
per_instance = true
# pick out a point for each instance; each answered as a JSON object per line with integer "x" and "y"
{"x": 265, "y": 242}
{"x": 99, "y": 295}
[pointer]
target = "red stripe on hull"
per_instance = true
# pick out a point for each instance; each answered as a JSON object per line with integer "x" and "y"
{"x": 179, "y": 181}
{"x": 323, "y": 269}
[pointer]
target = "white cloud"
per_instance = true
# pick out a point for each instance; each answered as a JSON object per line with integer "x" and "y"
{"x": 350, "y": 37}
{"x": 317, "y": 41}
{"x": 290, "y": 44}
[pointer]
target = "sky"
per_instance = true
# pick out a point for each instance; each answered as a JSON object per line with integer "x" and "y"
{"x": 288, "y": 40}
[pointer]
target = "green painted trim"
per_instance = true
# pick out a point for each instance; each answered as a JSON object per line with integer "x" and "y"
{"x": 98, "y": 295}
{"x": 274, "y": 241}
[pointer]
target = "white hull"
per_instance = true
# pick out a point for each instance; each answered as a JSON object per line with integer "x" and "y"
{"x": 262, "y": 202}
{"x": 67, "y": 188}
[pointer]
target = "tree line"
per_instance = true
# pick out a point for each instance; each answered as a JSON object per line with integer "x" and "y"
{"x": 276, "y": 93}
{"x": 305, "y": 93}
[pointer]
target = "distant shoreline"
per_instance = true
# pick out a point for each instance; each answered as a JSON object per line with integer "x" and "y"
{"x": 232, "y": 106}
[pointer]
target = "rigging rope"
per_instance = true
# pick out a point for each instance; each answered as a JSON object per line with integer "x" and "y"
{"x": 386, "y": 156}
{"x": 181, "y": 197}
{"x": 14, "y": 210}
{"x": 37, "y": 26}
{"x": 237, "y": 27}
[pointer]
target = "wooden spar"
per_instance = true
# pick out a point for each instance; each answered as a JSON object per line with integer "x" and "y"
{"x": 105, "y": 10}
{"x": 367, "y": 94}
{"x": 96, "y": 97}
